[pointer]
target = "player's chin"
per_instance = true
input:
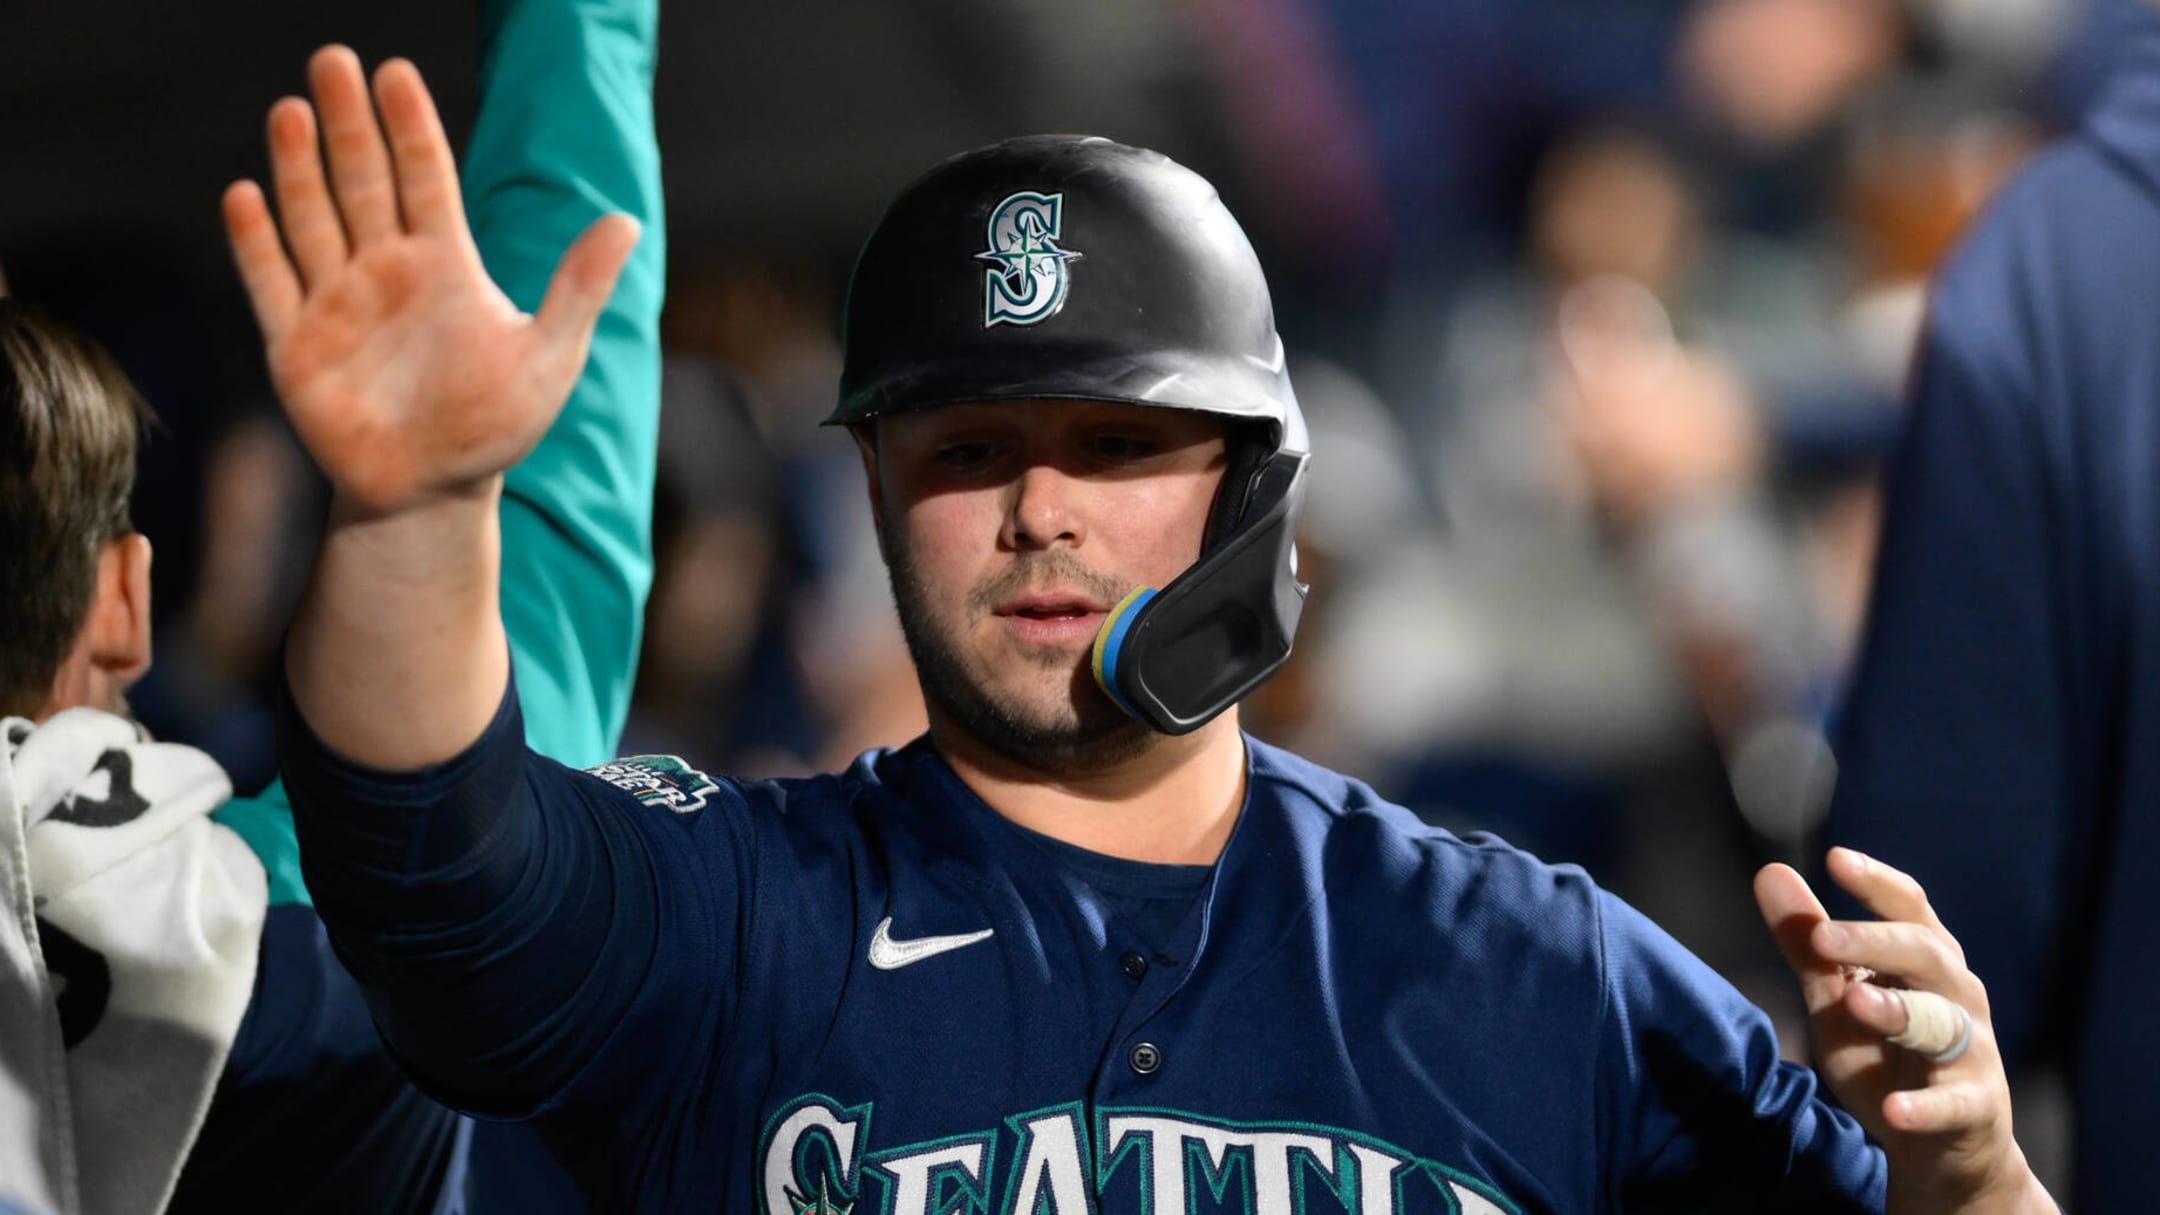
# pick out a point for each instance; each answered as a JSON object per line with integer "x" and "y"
{"x": 1047, "y": 707}
{"x": 1059, "y": 700}
{"x": 1085, "y": 740}
{"x": 1044, "y": 679}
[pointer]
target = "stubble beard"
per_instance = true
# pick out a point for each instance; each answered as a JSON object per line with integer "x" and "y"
{"x": 1085, "y": 733}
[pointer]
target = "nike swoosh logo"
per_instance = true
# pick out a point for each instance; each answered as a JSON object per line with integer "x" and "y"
{"x": 1273, "y": 366}
{"x": 888, "y": 954}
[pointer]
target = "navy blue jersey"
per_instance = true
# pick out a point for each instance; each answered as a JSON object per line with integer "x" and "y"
{"x": 870, "y": 991}
{"x": 2002, "y": 738}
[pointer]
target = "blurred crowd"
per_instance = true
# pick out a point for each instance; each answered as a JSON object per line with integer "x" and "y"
{"x": 1599, "y": 311}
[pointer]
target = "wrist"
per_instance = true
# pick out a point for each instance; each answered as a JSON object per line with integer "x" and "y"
{"x": 2030, "y": 1197}
{"x": 2014, "y": 1190}
{"x": 446, "y": 505}
{"x": 447, "y": 545}
{"x": 396, "y": 655}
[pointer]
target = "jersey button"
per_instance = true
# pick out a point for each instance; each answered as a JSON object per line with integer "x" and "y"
{"x": 1134, "y": 966}
{"x": 1145, "y": 1059}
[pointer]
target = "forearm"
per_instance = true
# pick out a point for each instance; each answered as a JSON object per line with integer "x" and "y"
{"x": 1729, "y": 590}
{"x": 495, "y": 853}
{"x": 396, "y": 656}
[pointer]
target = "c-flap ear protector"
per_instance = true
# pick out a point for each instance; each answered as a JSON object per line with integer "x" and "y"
{"x": 1176, "y": 658}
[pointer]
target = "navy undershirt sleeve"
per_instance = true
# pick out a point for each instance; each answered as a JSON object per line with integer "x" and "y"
{"x": 503, "y": 915}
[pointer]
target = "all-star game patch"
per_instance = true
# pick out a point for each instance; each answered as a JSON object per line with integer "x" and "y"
{"x": 659, "y": 780}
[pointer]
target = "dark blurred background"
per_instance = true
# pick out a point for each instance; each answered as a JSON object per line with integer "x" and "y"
{"x": 1599, "y": 310}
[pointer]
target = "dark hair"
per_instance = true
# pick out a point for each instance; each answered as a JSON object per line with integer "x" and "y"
{"x": 69, "y": 422}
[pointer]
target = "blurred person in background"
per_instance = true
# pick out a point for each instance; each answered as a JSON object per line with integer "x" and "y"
{"x": 826, "y": 666}
{"x": 1363, "y": 509}
{"x": 1771, "y": 73}
{"x": 2001, "y": 735}
{"x": 216, "y": 676}
{"x": 1612, "y": 572}
{"x": 1736, "y": 469}
{"x": 309, "y": 1111}
{"x": 1382, "y": 187}
{"x": 1654, "y": 447}
{"x": 1653, "y": 444}
{"x": 718, "y": 567}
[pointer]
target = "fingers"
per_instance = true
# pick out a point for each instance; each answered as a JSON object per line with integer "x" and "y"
{"x": 427, "y": 184}
{"x": 1614, "y": 330}
{"x": 582, "y": 284}
{"x": 1878, "y": 1008}
{"x": 359, "y": 164}
{"x": 1919, "y": 1021}
{"x": 1934, "y": 1027}
{"x": 1865, "y": 1030}
{"x": 312, "y": 226}
{"x": 272, "y": 286}
{"x": 1953, "y": 1106}
{"x": 1919, "y": 955}
{"x": 1792, "y": 912}
{"x": 321, "y": 228}
{"x": 1888, "y": 892}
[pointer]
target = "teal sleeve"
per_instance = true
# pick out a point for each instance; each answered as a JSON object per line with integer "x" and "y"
{"x": 264, "y": 822}
{"x": 563, "y": 136}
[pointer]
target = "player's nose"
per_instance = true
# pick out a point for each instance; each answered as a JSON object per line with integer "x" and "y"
{"x": 1043, "y": 512}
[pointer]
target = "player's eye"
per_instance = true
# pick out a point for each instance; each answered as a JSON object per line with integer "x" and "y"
{"x": 1122, "y": 447}
{"x": 965, "y": 455}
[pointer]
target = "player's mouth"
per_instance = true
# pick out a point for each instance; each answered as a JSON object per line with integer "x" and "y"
{"x": 1052, "y": 618}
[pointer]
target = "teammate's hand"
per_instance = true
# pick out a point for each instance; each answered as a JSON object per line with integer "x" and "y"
{"x": 408, "y": 375}
{"x": 1945, "y": 1127}
{"x": 1653, "y": 424}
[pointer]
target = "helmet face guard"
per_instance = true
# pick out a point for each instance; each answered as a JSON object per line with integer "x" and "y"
{"x": 1057, "y": 267}
{"x": 1176, "y": 658}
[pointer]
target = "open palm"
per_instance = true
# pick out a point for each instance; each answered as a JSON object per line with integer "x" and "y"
{"x": 406, "y": 372}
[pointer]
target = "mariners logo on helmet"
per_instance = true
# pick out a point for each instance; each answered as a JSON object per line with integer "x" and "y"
{"x": 1026, "y": 283}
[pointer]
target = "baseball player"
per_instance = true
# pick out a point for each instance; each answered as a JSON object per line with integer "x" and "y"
{"x": 1085, "y": 946}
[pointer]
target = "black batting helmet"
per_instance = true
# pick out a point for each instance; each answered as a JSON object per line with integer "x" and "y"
{"x": 1063, "y": 267}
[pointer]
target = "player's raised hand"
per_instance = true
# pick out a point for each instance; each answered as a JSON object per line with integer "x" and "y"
{"x": 1902, "y": 1036}
{"x": 407, "y": 374}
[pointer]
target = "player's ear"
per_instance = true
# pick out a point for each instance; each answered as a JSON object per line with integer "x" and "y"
{"x": 117, "y": 635}
{"x": 866, "y": 447}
